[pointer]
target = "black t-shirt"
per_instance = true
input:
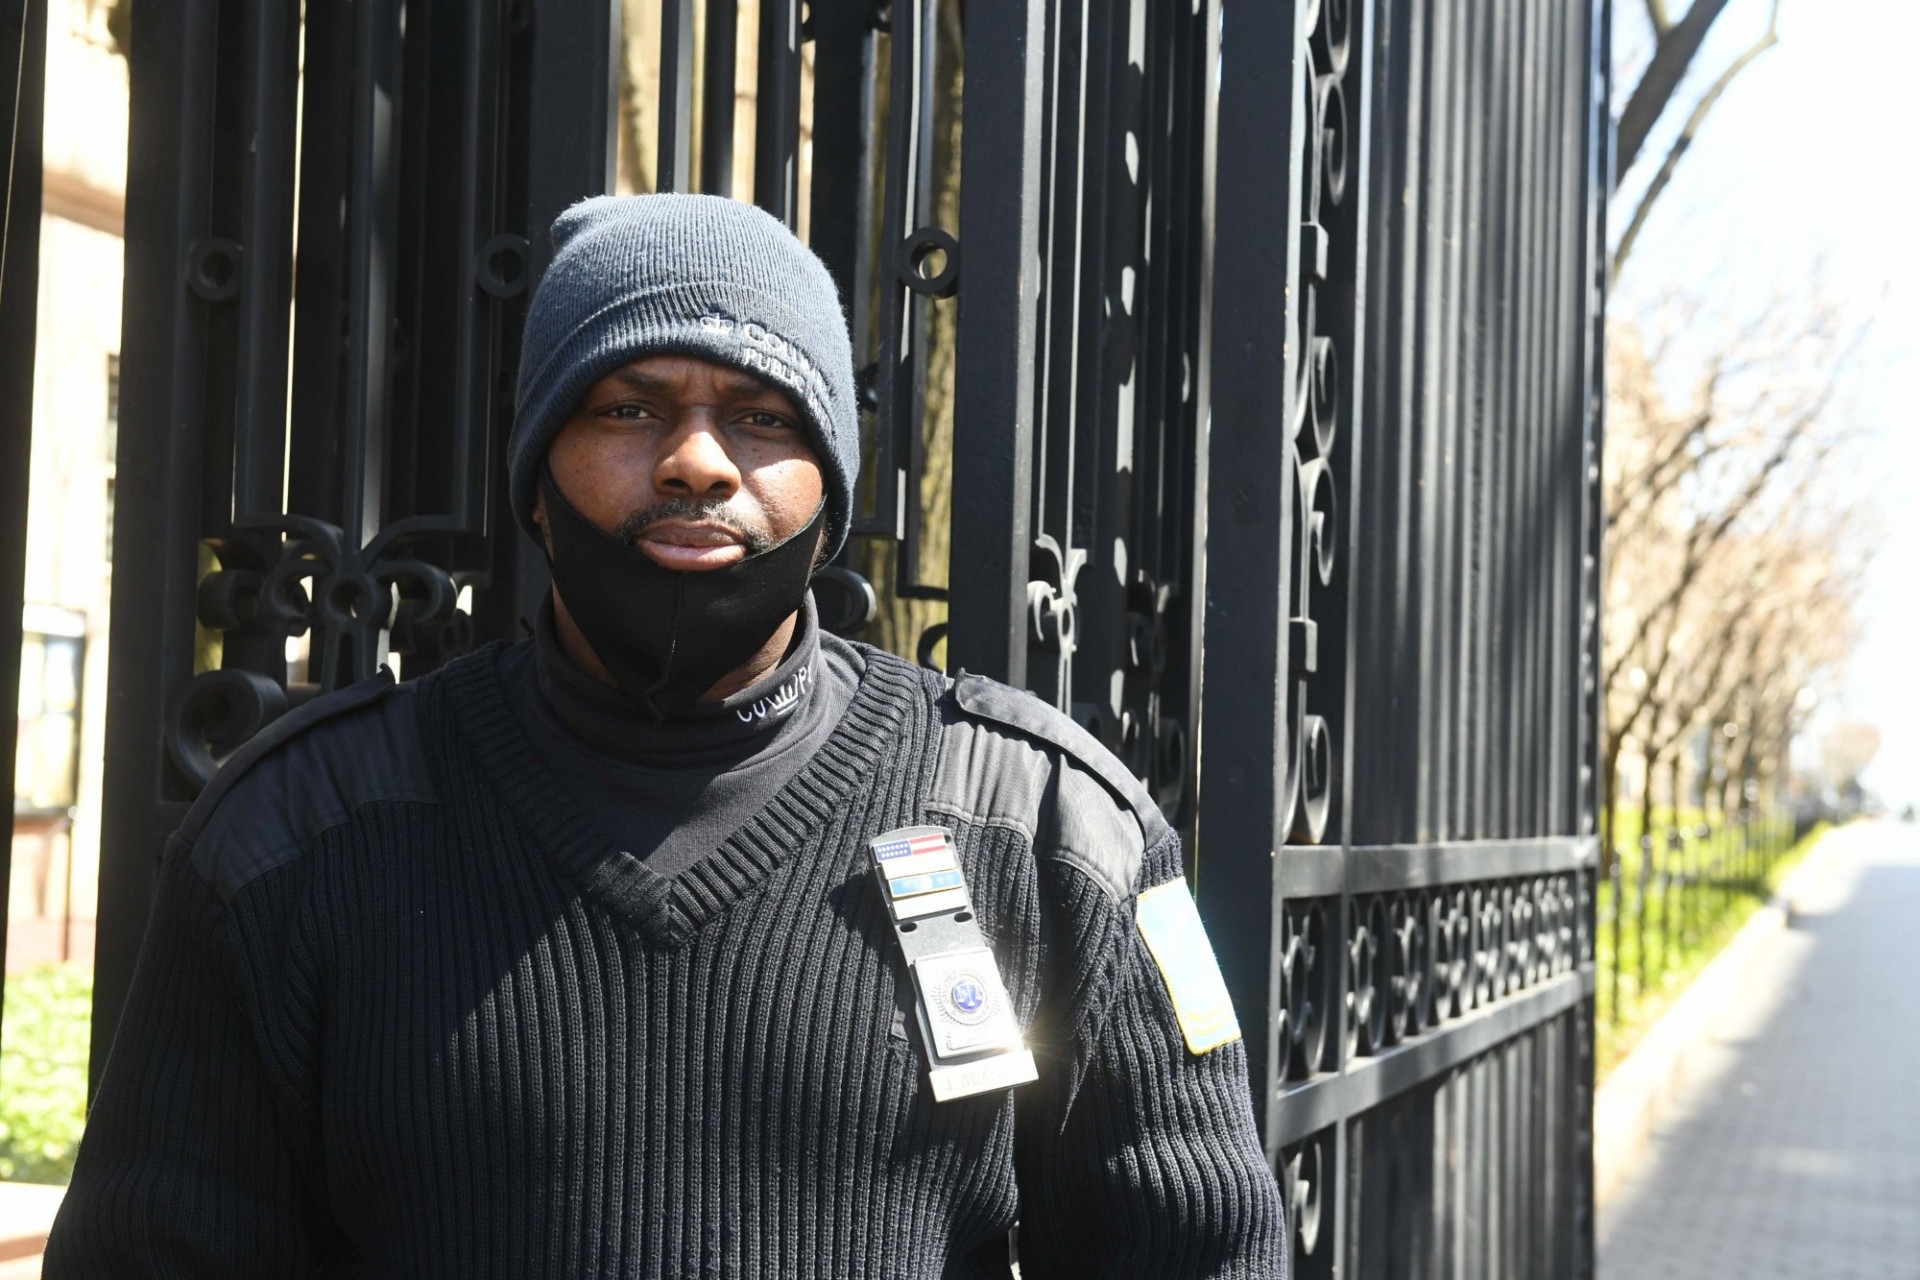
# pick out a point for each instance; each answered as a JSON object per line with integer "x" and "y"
{"x": 670, "y": 793}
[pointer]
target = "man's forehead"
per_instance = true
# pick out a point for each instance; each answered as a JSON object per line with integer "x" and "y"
{"x": 670, "y": 372}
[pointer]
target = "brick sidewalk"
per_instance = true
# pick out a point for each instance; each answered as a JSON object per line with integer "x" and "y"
{"x": 1794, "y": 1148}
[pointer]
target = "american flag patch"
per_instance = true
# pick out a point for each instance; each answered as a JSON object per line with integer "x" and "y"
{"x": 932, "y": 842}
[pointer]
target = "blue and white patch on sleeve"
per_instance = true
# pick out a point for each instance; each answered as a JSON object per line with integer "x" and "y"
{"x": 1177, "y": 940}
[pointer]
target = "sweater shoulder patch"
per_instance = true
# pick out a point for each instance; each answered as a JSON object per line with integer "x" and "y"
{"x": 1007, "y": 758}
{"x": 1169, "y": 923}
{"x": 307, "y": 771}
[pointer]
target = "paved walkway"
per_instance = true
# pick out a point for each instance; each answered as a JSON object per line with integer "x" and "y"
{"x": 1794, "y": 1149}
{"x": 26, "y": 1212}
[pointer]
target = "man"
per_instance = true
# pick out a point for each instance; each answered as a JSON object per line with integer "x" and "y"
{"x": 682, "y": 938}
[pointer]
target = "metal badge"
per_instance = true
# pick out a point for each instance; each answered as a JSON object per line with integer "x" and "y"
{"x": 967, "y": 1024}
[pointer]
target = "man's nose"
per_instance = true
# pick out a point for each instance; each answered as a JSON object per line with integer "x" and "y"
{"x": 696, "y": 462}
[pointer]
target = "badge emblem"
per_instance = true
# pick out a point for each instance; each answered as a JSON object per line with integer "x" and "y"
{"x": 967, "y": 999}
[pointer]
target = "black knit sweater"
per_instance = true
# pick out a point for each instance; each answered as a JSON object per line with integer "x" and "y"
{"x": 401, "y": 1011}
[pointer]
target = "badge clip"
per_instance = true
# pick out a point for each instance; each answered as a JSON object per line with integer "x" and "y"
{"x": 967, "y": 1026}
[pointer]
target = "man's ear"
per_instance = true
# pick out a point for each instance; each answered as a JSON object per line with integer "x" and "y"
{"x": 540, "y": 522}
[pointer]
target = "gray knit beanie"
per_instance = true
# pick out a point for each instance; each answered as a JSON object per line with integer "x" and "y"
{"x": 695, "y": 275}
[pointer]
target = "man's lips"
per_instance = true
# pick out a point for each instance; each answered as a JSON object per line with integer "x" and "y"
{"x": 691, "y": 546}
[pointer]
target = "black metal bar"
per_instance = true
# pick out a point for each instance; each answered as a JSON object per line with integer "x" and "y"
{"x": 573, "y": 74}
{"x": 896, "y": 400}
{"x": 372, "y": 231}
{"x": 1245, "y": 804}
{"x": 1202, "y": 235}
{"x": 157, "y": 531}
{"x": 574, "y": 77}
{"x": 917, "y": 178}
{"x": 23, "y": 71}
{"x": 717, "y": 90}
{"x": 266, "y": 256}
{"x": 477, "y": 399}
{"x": 841, "y": 218}
{"x": 1072, "y": 201}
{"x": 674, "y": 171}
{"x": 1475, "y": 430}
{"x": 999, "y": 292}
{"x": 1383, "y": 780}
{"x": 320, "y": 286}
{"x": 1315, "y": 1104}
{"x": 776, "y": 164}
{"x": 1106, "y": 467}
{"x": 1380, "y": 869}
{"x": 1451, "y": 85}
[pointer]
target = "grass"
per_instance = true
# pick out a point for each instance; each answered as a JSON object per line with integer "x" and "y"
{"x": 43, "y": 1071}
{"x": 1685, "y": 925}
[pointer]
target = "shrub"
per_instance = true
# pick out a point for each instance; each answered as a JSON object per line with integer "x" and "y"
{"x": 43, "y": 1071}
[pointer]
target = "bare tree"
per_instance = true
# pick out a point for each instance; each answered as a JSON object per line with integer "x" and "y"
{"x": 1719, "y": 549}
{"x": 1676, "y": 45}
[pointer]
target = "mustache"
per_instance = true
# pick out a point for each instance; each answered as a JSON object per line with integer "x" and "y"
{"x": 755, "y": 538}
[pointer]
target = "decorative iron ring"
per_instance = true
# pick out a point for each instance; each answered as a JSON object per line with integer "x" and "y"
{"x": 929, "y": 640}
{"x": 851, "y": 592}
{"x": 500, "y": 267}
{"x": 226, "y": 705}
{"x": 213, "y": 270}
{"x": 911, "y": 259}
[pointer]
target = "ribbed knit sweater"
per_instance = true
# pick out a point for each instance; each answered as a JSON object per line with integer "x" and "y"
{"x": 402, "y": 1011}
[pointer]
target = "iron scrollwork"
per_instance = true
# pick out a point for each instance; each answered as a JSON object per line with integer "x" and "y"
{"x": 1053, "y": 603}
{"x": 1153, "y": 740}
{"x": 285, "y": 575}
{"x": 1418, "y": 959}
{"x": 1314, "y": 424}
{"x": 1303, "y": 1177}
{"x": 1302, "y": 1013}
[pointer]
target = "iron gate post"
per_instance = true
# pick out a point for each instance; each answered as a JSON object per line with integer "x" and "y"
{"x": 1000, "y": 284}
{"x": 23, "y": 71}
{"x": 156, "y": 541}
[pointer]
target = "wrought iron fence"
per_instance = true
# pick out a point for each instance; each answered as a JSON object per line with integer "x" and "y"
{"x": 1231, "y": 377}
{"x": 1674, "y": 892}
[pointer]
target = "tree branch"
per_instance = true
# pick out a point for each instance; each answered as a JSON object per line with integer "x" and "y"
{"x": 1672, "y": 55}
{"x": 1657, "y": 15}
{"x": 1685, "y": 140}
{"x": 1704, "y": 536}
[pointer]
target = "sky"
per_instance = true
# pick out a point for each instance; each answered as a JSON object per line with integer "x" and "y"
{"x": 1808, "y": 170}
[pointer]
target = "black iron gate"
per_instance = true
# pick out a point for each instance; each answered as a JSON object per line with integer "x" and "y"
{"x": 1268, "y": 324}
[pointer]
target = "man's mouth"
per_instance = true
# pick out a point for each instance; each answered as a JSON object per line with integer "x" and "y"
{"x": 692, "y": 546}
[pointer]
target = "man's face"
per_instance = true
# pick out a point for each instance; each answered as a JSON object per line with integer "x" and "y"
{"x": 696, "y": 464}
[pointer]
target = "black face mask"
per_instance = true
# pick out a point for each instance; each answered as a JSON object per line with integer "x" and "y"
{"x": 667, "y": 636}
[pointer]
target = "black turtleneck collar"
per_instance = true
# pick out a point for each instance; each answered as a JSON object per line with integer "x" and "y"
{"x": 707, "y": 735}
{"x": 670, "y": 793}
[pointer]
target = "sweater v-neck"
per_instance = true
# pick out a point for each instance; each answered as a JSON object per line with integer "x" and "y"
{"x": 669, "y": 911}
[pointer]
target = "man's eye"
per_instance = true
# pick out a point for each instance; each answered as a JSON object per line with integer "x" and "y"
{"x": 627, "y": 412}
{"x": 761, "y": 418}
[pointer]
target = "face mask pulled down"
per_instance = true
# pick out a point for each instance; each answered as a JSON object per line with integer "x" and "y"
{"x": 667, "y": 636}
